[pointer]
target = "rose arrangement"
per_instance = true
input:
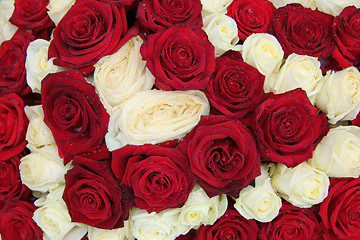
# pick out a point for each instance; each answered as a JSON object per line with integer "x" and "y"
{"x": 182, "y": 119}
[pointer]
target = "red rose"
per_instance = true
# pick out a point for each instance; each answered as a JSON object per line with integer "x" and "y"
{"x": 89, "y": 30}
{"x": 74, "y": 113}
{"x": 222, "y": 154}
{"x": 288, "y": 127}
{"x": 235, "y": 87}
{"x": 340, "y": 210}
{"x": 94, "y": 197}
{"x": 251, "y": 16}
{"x": 13, "y": 122}
{"x": 303, "y": 31}
{"x": 180, "y": 58}
{"x": 291, "y": 223}
{"x": 32, "y": 15}
{"x": 346, "y": 32}
{"x": 12, "y": 64}
{"x": 16, "y": 222}
{"x": 229, "y": 226}
{"x": 160, "y": 176}
{"x": 155, "y": 15}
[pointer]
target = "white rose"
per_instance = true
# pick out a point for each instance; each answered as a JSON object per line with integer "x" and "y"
{"x": 306, "y": 3}
{"x": 119, "y": 76}
{"x": 260, "y": 202}
{"x": 53, "y": 217}
{"x": 58, "y": 9}
{"x": 155, "y": 116}
{"x": 200, "y": 209}
{"x": 222, "y": 32}
{"x": 298, "y": 71}
{"x": 263, "y": 51}
{"x": 338, "y": 153}
{"x": 334, "y": 7}
{"x": 214, "y": 6}
{"x": 7, "y": 29}
{"x": 43, "y": 170}
{"x": 302, "y": 186}
{"x": 154, "y": 226}
{"x": 114, "y": 234}
{"x": 339, "y": 96}
{"x": 38, "y": 133}
{"x": 38, "y": 65}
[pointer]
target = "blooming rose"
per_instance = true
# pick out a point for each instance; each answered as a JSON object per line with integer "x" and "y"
{"x": 334, "y": 7}
{"x": 235, "y": 87}
{"x": 13, "y": 122}
{"x": 90, "y": 30}
{"x": 214, "y": 6}
{"x": 73, "y": 112}
{"x": 260, "y": 202}
{"x": 302, "y": 186}
{"x": 7, "y": 30}
{"x": 288, "y": 127}
{"x": 222, "y": 154}
{"x": 58, "y": 8}
{"x": 104, "y": 234}
{"x": 251, "y": 16}
{"x": 93, "y": 196}
{"x": 298, "y": 71}
{"x": 338, "y": 152}
{"x": 180, "y": 57}
{"x": 155, "y": 116}
{"x": 155, "y": 15}
{"x": 263, "y": 51}
{"x": 16, "y": 221}
{"x": 119, "y": 76}
{"x": 306, "y": 3}
{"x": 229, "y": 226}
{"x": 339, "y": 96}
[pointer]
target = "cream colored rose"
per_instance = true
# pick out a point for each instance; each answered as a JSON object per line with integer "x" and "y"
{"x": 302, "y": 186}
{"x": 334, "y": 7}
{"x": 58, "y": 9}
{"x": 154, "y": 226}
{"x": 339, "y": 96}
{"x": 214, "y": 6}
{"x": 222, "y": 32}
{"x": 155, "y": 116}
{"x": 38, "y": 134}
{"x": 119, "y": 76}
{"x": 263, "y": 51}
{"x": 43, "y": 170}
{"x": 114, "y": 234}
{"x": 7, "y": 29}
{"x": 38, "y": 65}
{"x": 260, "y": 202}
{"x": 298, "y": 71}
{"x": 200, "y": 209}
{"x": 338, "y": 153}
{"x": 306, "y": 3}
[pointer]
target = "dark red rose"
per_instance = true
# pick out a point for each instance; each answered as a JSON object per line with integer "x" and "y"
{"x": 74, "y": 113}
{"x": 160, "y": 176}
{"x": 356, "y": 121}
{"x": 340, "y": 210}
{"x": 16, "y": 222}
{"x": 13, "y": 126}
{"x": 94, "y": 197}
{"x": 251, "y": 16}
{"x": 189, "y": 236}
{"x": 346, "y": 32}
{"x": 288, "y": 127}
{"x": 155, "y": 15}
{"x": 180, "y": 58}
{"x": 235, "y": 87}
{"x": 291, "y": 223}
{"x": 12, "y": 64}
{"x": 229, "y": 226}
{"x": 303, "y": 30}
{"x": 89, "y": 30}
{"x": 32, "y": 15}
{"x": 222, "y": 154}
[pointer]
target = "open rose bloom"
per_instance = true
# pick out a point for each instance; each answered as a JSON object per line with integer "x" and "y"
{"x": 179, "y": 119}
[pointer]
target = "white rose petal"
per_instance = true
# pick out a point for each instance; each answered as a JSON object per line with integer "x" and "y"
{"x": 339, "y": 96}
{"x": 155, "y": 116}
{"x": 214, "y": 6}
{"x": 306, "y": 3}
{"x": 334, "y": 7}
{"x": 263, "y": 51}
{"x": 7, "y": 29}
{"x": 58, "y": 9}
{"x": 114, "y": 234}
{"x": 298, "y": 71}
{"x": 303, "y": 186}
{"x": 119, "y": 76}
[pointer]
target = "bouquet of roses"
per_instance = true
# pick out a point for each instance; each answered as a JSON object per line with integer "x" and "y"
{"x": 179, "y": 119}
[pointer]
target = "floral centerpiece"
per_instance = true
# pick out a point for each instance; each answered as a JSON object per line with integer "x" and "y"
{"x": 179, "y": 119}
